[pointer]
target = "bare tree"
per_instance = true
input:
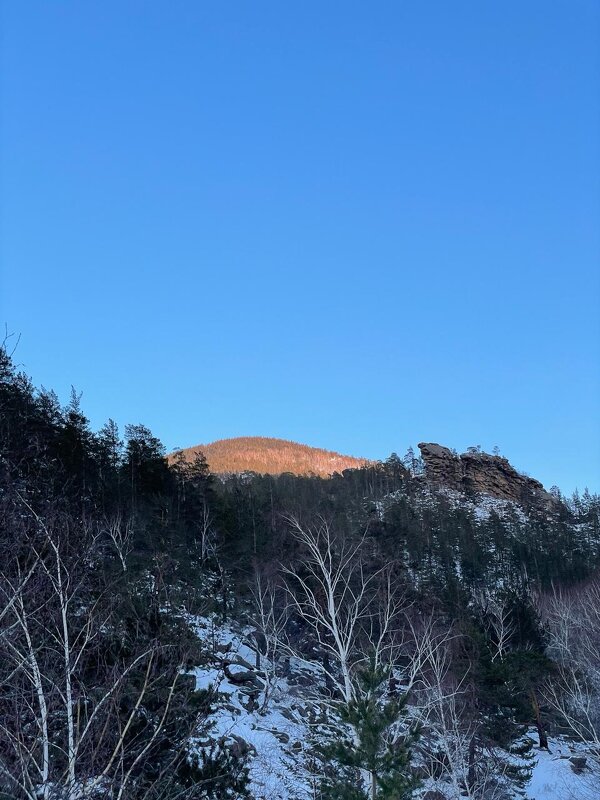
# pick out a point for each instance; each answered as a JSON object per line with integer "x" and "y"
{"x": 497, "y": 617}
{"x": 453, "y": 758}
{"x": 332, "y": 593}
{"x": 572, "y": 621}
{"x": 357, "y": 615}
{"x": 207, "y": 532}
{"x": 120, "y": 533}
{"x": 270, "y": 618}
{"x": 63, "y": 733}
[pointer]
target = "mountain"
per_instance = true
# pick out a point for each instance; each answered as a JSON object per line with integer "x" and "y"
{"x": 269, "y": 456}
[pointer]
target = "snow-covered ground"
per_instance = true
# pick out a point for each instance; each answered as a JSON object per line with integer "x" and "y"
{"x": 483, "y": 506}
{"x": 553, "y": 776}
{"x": 279, "y": 737}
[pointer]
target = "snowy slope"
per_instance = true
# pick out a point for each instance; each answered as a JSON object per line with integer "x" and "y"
{"x": 279, "y": 738}
{"x": 554, "y": 778}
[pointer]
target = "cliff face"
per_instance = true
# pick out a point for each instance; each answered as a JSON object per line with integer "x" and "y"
{"x": 480, "y": 472}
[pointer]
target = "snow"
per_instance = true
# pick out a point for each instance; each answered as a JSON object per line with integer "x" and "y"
{"x": 554, "y": 779}
{"x": 482, "y": 506}
{"x": 280, "y": 736}
{"x": 485, "y": 505}
{"x": 276, "y": 737}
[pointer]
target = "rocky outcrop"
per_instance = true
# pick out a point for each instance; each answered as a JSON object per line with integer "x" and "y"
{"x": 480, "y": 472}
{"x": 442, "y": 466}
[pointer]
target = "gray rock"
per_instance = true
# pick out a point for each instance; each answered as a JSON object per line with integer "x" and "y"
{"x": 578, "y": 763}
{"x": 242, "y": 677}
{"x": 483, "y": 473}
{"x": 240, "y": 747}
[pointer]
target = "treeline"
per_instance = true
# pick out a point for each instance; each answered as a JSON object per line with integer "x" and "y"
{"x": 437, "y": 541}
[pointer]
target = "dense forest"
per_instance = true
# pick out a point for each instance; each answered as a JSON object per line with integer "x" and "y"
{"x": 432, "y": 643}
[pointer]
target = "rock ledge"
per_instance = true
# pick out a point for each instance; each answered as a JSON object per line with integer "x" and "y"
{"x": 481, "y": 472}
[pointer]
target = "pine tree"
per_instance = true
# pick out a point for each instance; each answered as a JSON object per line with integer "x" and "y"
{"x": 373, "y": 761}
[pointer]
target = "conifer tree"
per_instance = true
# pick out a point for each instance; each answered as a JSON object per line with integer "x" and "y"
{"x": 373, "y": 760}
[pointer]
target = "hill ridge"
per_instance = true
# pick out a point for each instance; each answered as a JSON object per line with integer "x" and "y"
{"x": 271, "y": 455}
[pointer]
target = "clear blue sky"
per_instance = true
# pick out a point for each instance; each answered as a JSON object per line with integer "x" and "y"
{"x": 355, "y": 225}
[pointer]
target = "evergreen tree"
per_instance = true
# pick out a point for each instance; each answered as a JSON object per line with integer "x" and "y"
{"x": 373, "y": 759}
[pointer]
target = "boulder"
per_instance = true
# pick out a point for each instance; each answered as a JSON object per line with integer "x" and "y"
{"x": 578, "y": 764}
{"x": 241, "y": 677}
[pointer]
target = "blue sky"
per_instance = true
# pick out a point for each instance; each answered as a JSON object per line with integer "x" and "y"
{"x": 355, "y": 225}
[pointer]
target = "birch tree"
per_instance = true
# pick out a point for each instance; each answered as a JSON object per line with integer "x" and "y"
{"x": 332, "y": 593}
{"x": 270, "y": 619}
{"x": 572, "y": 621}
{"x": 354, "y": 615}
{"x": 497, "y": 617}
{"x": 452, "y": 756}
{"x": 78, "y": 718}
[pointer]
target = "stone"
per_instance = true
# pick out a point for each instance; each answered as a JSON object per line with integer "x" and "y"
{"x": 242, "y": 677}
{"x": 477, "y": 472}
{"x": 578, "y": 763}
{"x": 240, "y": 748}
{"x": 441, "y": 465}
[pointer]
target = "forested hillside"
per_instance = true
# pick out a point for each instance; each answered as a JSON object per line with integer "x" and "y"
{"x": 167, "y": 634}
{"x": 269, "y": 456}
